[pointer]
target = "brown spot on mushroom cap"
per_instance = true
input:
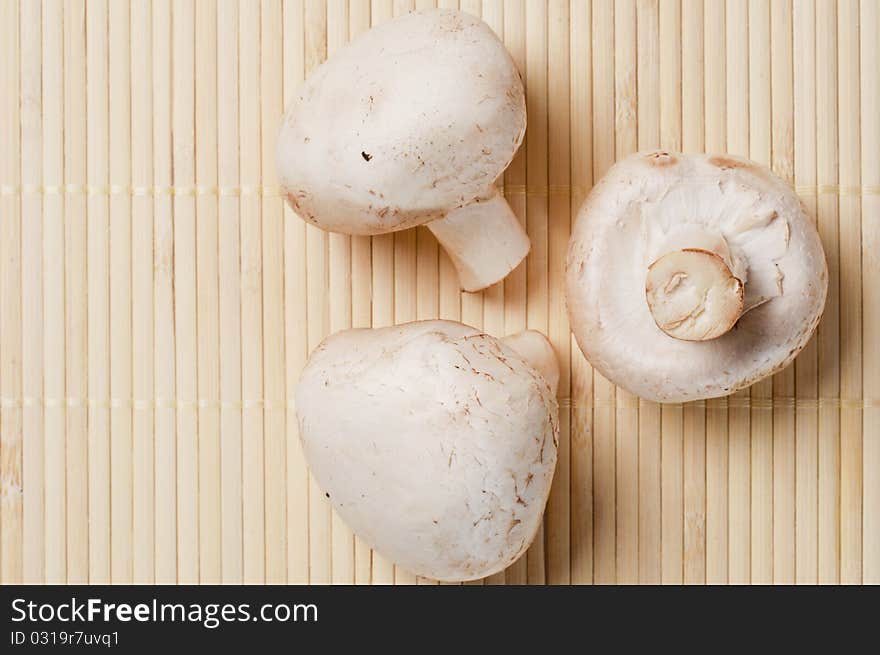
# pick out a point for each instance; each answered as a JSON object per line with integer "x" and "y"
{"x": 725, "y": 162}
{"x": 660, "y": 159}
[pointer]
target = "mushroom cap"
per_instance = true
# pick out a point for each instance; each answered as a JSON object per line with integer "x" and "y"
{"x": 436, "y": 444}
{"x": 650, "y": 200}
{"x": 413, "y": 118}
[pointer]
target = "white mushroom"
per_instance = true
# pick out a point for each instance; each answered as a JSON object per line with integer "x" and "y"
{"x": 436, "y": 443}
{"x": 693, "y": 276}
{"x": 411, "y": 123}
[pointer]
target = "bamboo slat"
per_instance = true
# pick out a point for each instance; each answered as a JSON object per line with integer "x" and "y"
{"x": 828, "y": 334}
{"x": 471, "y": 305}
{"x": 11, "y": 538}
{"x": 604, "y": 464}
{"x": 207, "y": 295}
{"x": 33, "y": 450}
{"x": 558, "y": 516}
{"x": 274, "y": 383}
{"x": 340, "y": 302}
{"x": 53, "y": 295}
{"x": 75, "y": 306}
{"x": 143, "y": 476}
{"x": 183, "y": 271}
{"x": 295, "y": 328}
{"x": 361, "y": 283}
{"x": 405, "y": 267}
{"x": 650, "y": 452}
{"x": 694, "y": 414}
{"x": 252, "y": 444}
{"x": 98, "y": 295}
{"x": 581, "y": 437}
{"x": 739, "y": 424}
{"x": 537, "y": 214}
{"x": 761, "y": 422}
{"x": 717, "y": 433}
{"x": 120, "y": 494}
{"x": 158, "y": 298}
{"x": 626, "y": 405}
{"x": 806, "y": 371}
{"x": 382, "y": 571}
{"x": 515, "y": 282}
{"x": 869, "y": 20}
{"x": 428, "y": 275}
{"x": 782, "y": 163}
{"x": 164, "y": 453}
{"x": 671, "y": 415}
{"x": 849, "y": 140}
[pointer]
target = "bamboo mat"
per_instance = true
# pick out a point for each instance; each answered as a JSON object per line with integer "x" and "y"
{"x": 158, "y": 300}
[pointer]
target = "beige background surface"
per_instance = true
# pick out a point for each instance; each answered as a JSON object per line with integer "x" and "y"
{"x": 157, "y": 299}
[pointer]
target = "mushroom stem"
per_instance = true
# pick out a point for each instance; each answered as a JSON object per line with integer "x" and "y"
{"x": 537, "y": 351}
{"x": 484, "y": 240}
{"x": 693, "y": 294}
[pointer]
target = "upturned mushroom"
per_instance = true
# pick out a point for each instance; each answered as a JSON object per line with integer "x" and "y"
{"x": 436, "y": 443}
{"x": 693, "y": 276}
{"x": 411, "y": 123}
